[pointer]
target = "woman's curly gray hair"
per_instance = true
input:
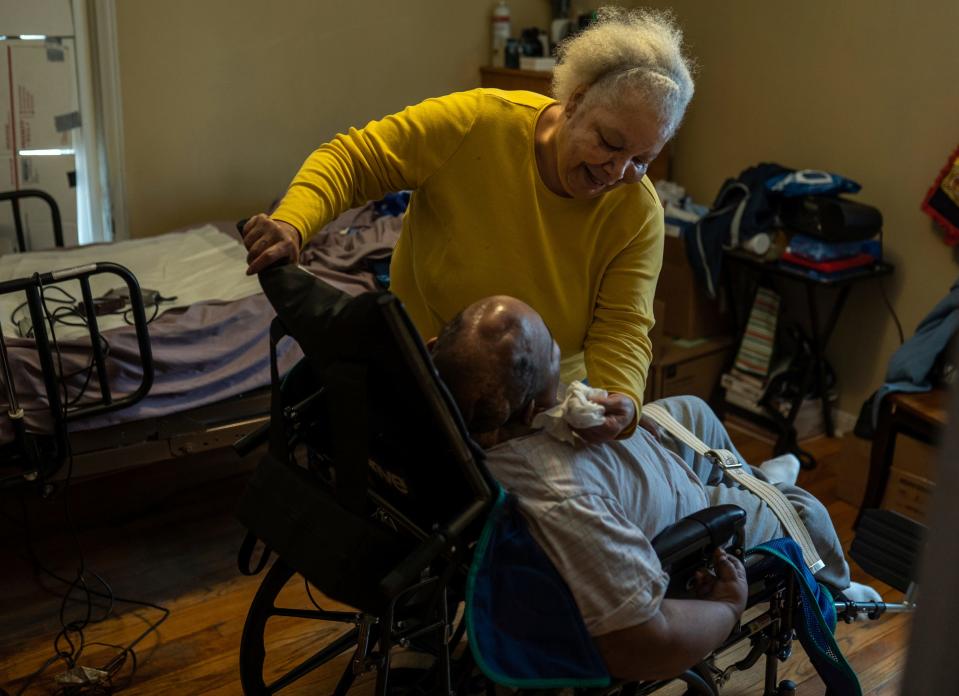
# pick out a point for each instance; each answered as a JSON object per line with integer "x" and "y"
{"x": 628, "y": 51}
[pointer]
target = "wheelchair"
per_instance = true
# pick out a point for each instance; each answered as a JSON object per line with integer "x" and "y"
{"x": 372, "y": 494}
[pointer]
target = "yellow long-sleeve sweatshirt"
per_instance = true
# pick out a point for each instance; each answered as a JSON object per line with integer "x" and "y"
{"x": 482, "y": 222}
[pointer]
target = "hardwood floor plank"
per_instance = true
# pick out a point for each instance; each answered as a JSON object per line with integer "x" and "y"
{"x": 179, "y": 550}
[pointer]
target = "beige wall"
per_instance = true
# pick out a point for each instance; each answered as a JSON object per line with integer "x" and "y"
{"x": 866, "y": 88}
{"x": 223, "y": 99}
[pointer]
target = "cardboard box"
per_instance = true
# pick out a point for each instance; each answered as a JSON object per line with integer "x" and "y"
{"x": 35, "y": 115}
{"x": 690, "y": 313}
{"x": 852, "y": 469}
{"x": 915, "y": 457}
{"x": 908, "y": 494}
{"x": 540, "y": 63}
{"x": 688, "y": 367}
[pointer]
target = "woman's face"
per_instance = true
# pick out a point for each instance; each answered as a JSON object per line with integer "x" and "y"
{"x": 601, "y": 147}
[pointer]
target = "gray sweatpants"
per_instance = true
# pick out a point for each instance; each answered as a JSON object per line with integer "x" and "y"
{"x": 761, "y": 523}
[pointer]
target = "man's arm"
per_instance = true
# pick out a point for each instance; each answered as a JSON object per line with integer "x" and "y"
{"x": 683, "y": 631}
{"x": 618, "y": 584}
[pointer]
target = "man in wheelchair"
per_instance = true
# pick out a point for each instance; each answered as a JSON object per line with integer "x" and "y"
{"x": 594, "y": 508}
{"x": 608, "y": 534}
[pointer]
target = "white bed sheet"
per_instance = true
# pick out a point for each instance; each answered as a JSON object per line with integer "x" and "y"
{"x": 199, "y": 265}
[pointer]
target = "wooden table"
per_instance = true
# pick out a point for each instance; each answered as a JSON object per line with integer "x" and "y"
{"x": 921, "y": 416}
{"x": 821, "y": 328}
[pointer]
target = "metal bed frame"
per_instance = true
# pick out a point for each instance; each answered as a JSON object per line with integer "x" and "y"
{"x": 37, "y": 457}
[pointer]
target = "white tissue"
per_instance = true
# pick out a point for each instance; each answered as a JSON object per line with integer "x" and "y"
{"x": 574, "y": 410}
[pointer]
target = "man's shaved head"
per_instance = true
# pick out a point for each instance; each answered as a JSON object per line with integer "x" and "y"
{"x": 497, "y": 357}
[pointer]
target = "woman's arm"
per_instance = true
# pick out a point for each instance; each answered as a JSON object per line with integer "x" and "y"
{"x": 396, "y": 153}
{"x": 618, "y": 350}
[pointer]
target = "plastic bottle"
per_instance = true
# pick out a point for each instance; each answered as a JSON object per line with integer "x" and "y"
{"x": 500, "y": 31}
{"x": 758, "y": 244}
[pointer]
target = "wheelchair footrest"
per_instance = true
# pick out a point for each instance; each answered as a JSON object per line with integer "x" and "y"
{"x": 887, "y": 546}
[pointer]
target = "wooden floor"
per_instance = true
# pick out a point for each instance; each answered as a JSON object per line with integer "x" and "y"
{"x": 166, "y": 536}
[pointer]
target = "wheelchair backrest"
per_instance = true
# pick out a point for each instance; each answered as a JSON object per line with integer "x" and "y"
{"x": 385, "y": 421}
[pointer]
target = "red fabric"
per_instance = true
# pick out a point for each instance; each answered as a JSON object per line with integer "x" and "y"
{"x": 945, "y": 185}
{"x": 830, "y": 266}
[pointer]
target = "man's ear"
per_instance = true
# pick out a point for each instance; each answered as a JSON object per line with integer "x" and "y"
{"x": 530, "y": 412}
{"x": 431, "y": 344}
{"x": 575, "y": 100}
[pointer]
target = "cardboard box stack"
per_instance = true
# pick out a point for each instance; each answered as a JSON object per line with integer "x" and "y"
{"x": 690, "y": 312}
{"x": 38, "y": 111}
{"x": 911, "y": 479}
{"x": 691, "y": 346}
{"x": 688, "y": 367}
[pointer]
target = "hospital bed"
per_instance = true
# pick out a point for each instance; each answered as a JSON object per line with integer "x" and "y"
{"x": 180, "y": 368}
{"x": 372, "y": 493}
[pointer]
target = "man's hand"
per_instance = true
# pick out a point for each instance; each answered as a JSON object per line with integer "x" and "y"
{"x": 728, "y": 585}
{"x": 683, "y": 630}
{"x": 269, "y": 241}
{"x": 620, "y": 413}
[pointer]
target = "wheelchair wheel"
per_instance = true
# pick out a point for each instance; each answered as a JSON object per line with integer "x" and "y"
{"x": 283, "y": 626}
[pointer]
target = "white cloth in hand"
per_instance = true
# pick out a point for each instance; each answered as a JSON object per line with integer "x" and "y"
{"x": 574, "y": 410}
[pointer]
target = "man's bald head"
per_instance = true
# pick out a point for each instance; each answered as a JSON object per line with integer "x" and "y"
{"x": 496, "y": 357}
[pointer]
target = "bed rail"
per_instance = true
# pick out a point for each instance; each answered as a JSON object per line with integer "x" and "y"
{"x": 16, "y": 196}
{"x": 61, "y": 414}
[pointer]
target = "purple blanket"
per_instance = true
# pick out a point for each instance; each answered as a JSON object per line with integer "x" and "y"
{"x": 204, "y": 353}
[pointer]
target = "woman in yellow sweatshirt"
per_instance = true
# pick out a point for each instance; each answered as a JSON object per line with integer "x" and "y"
{"x": 518, "y": 194}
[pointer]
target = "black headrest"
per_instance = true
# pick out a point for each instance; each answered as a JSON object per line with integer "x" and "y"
{"x": 314, "y": 312}
{"x": 385, "y": 402}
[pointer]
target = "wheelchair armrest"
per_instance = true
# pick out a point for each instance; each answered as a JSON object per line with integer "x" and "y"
{"x": 685, "y": 546}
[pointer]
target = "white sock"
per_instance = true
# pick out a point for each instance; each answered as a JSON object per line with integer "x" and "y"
{"x": 857, "y": 592}
{"x": 781, "y": 469}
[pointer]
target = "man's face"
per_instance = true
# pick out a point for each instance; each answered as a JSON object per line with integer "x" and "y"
{"x": 601, "y": 147}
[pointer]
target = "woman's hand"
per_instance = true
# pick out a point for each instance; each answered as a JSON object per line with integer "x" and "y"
{"x": 269, "y": 241}
{"x": 620, "y": 414}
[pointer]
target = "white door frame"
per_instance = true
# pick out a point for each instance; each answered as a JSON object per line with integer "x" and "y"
{"x": 101, "y": 114}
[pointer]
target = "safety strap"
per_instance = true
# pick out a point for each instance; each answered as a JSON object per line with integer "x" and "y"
{"x": 244, "y": 557}
{"x": 733, "y": 468}
{"x": 279, "y": 445}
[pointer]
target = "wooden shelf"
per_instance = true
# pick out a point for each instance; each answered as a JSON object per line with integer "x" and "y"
{"x": 510, "y": 78}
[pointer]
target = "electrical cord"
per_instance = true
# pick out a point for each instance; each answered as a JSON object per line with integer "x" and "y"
{"x": 87, "y": 371}
{"x": 895, "y": 318}
{"x": 68, "y": 314}
{"x": 69, "y": 643}
{"x": 70, "y": 308}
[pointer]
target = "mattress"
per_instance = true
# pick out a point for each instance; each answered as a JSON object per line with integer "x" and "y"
{"x": 209, "y": 344}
